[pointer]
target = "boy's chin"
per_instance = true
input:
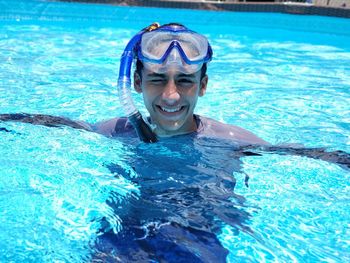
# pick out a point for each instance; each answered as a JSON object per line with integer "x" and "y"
{"x": 169, "y": 129}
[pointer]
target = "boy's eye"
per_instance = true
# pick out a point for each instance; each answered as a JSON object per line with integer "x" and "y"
{"x": 157, "y": 80}
{"x": 185, "y": 81}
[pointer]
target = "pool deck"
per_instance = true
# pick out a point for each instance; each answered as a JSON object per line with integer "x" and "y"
{"x": 337, "y": 8}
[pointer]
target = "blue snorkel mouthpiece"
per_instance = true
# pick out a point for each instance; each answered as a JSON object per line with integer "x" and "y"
{"x": 143, "y": 130}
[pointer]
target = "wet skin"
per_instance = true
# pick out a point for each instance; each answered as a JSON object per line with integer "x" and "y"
{"x": 170, "y": 99}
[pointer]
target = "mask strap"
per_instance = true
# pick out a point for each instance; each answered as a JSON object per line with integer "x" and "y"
{"x": 151, "y": 27}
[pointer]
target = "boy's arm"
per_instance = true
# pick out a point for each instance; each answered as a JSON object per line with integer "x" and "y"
{"x": 338, "y": 157}
{"x": 45, "y": 120}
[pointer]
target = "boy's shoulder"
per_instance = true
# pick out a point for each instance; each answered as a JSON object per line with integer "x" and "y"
{"x": 215, "y": 129}
{"x": 114, "y": 127}
{"x": 207, "y": 127}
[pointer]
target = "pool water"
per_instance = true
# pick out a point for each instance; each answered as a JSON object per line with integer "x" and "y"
{"x": 65, "y": 193}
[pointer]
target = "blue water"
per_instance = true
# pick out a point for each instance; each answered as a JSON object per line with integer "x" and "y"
{"x": 284, "y": 77}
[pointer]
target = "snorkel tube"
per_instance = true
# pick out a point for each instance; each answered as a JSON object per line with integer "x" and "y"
{"x": 143, "y": 130}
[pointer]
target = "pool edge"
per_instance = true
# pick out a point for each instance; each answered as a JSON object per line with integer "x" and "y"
{"x": 273, "y": 7}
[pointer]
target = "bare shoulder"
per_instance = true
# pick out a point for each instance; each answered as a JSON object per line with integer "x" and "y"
{"x": 113, "y": 127}
{"x": 218, "y": 129}
{"x": 106, "y": 127}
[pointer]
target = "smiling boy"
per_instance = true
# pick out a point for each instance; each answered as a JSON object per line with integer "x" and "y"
{"x": 171, "y": 65}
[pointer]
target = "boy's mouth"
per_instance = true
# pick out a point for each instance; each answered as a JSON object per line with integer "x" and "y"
{"x": 170, "y": 111}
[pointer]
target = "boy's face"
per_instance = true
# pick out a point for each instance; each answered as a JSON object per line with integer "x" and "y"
{"x": 170, "y": 99}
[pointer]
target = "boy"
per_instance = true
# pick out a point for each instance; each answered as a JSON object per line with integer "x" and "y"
{"x": 171, "y": 65}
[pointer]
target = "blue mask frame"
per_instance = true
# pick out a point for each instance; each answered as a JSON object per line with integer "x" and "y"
{"x": 174, "y": 44}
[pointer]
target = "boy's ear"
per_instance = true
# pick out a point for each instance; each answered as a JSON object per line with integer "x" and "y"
{"x": 137, "y": 82}
{"x": 203, "y": 86}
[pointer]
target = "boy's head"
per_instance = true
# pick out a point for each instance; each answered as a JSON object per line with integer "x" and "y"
{"x": 171, "y": 64}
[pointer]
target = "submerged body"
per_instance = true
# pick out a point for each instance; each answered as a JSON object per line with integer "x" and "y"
{"x": 186, "y": 197}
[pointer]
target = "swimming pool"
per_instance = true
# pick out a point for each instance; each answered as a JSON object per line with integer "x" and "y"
{"x": 284, "y": 77}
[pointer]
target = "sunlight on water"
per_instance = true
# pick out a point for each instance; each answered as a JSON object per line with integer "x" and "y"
{"x": 60, "y": 188}
{"x": 308, "y": 196}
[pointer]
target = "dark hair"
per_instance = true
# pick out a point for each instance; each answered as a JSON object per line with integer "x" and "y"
{"x": 139, "y": 67}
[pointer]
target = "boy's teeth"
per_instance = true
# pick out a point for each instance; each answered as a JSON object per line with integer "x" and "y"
{"x": 171, "y": 110}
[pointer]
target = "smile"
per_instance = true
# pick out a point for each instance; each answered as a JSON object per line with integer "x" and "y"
{"x": 170, "y": 110}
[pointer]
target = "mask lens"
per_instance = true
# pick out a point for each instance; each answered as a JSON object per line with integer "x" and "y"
{"x": 165, "y": 67}
{"x": 155, "y": 44}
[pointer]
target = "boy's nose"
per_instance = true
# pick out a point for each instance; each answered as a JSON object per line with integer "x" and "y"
{"x": 170, "y": 93}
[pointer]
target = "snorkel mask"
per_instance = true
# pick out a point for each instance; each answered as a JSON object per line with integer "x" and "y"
{"x": 159, "y": 49}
